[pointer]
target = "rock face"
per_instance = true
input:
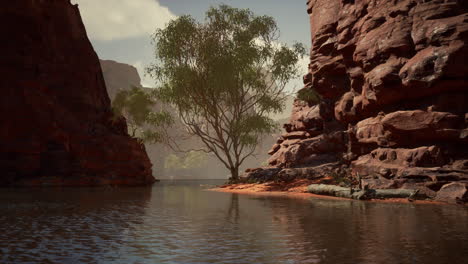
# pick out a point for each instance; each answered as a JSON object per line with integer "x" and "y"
{"x": 56, "y": 121}
{"x": 453, "y": 193}
{"x": 119, "y": 76}
{"x": 392, "y": 78}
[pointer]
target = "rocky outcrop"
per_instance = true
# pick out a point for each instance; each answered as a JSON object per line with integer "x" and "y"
{"x": 453, "y": 192}
{"x": 119, "y": 76}
{"x": 57, "y": 126}
{"x": 392, "y": 79}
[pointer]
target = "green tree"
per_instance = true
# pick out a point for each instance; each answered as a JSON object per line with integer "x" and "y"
{"x": 195, "y": 159}
{"x": 224, "y": 78}
{"x": 190, "y": 160}
{"x": 173, "y": 162}
{"x": 309, "y": 95}
{"x": 140, "y": 110}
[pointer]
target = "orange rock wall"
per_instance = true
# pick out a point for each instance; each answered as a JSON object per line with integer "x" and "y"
{"x": 392, "y": 76}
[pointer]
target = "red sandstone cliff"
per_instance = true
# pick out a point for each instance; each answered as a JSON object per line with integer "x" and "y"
{"x": 56, "y": 121}
{"x": 393, "y": 80}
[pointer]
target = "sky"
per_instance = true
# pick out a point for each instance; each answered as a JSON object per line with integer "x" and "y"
{"x": 120, "y": 30}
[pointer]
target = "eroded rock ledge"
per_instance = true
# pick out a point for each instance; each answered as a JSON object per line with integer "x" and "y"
{"x": 56, "y": 123}
{"x": 393, "y": 81}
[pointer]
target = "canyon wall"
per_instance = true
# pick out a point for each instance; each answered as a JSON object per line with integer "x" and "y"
{"x": 120, "y": 76}
{"x": 57, "y": 127}
{"x": 392, "y": 78}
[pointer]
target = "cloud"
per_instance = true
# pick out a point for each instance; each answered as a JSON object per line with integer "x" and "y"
{"x": 297, "y": 83}
{"x": 304, "y": 65}
{"x": 146, "y": 81}
{"x": 275, "y": 44}
{"x": 108, "y": 20}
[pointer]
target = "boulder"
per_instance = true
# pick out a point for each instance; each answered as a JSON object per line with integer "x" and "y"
{"x": 404, "y": 128}
{"x": 305, "y": 117}
{"x": 305, "y": 151}
{"x": 453, "y": 193}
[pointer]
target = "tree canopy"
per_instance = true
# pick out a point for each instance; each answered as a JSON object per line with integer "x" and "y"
{"x": 190, "y": 160}
{"x": 145, "y": 119}
{"x": 224, "y": 77}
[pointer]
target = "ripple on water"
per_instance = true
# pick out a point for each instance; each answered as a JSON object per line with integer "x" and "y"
{"x": 178, "y": 222}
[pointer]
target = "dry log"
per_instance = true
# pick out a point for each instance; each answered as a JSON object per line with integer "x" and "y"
{"x": 361, "y": 194}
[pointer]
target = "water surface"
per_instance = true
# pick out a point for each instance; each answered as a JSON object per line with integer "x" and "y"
{"x": 179, "y": 222}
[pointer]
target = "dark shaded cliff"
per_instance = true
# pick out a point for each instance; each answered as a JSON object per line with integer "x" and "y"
{"x": 392, "y": 76}
{"x": 120, "y": 76}
{"x": 56, "y": 121}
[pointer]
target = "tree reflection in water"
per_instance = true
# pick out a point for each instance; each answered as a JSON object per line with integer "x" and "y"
{"x": 233, "y": 211}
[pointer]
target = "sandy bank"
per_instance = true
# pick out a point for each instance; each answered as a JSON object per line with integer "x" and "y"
{"x": 297, "y": 189}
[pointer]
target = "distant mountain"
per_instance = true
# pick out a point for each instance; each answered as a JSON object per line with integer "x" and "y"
{"x": 119, "y": 76}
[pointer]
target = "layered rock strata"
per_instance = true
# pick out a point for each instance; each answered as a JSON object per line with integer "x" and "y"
{"x": 57, "y": 127}
{"x": 392, "y": 77}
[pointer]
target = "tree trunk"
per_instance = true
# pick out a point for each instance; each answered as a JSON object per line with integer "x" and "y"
{"x": 234, "y": 175}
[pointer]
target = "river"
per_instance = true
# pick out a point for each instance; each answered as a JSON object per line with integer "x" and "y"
{"x": 180, "y": 222}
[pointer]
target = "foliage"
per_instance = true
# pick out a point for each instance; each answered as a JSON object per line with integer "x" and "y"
{"x": 309, "y": 95}
{"x": 342, "y": 178}
{"x": 137, "y": 106}
{"x": 191, "y": 160}
{"x": 195, "y": 159}
{"x": 173, "y": 162}
{"x": 224, "y": 77}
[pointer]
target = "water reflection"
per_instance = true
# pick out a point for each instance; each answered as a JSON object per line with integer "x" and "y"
{"x": 178, "y": 222}
{"x": 233, "y": 212}
{"x": 364, "y": 232}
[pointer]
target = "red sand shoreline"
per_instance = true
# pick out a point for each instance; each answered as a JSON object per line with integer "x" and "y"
{"x": 299, "y": 191}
